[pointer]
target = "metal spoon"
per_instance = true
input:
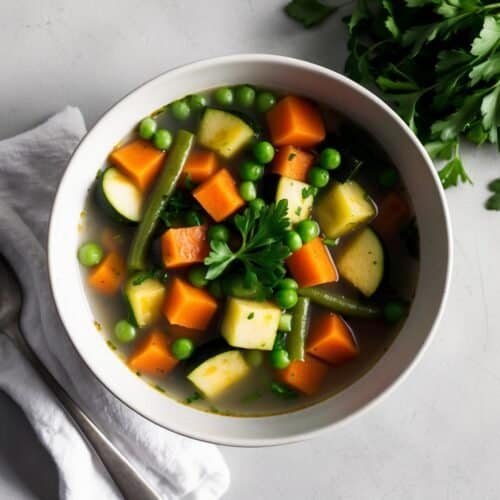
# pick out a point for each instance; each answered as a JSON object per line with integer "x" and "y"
{"x": 128, "y": 481}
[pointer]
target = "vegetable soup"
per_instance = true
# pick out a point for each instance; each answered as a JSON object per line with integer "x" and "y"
{"x": 248, "y": 252}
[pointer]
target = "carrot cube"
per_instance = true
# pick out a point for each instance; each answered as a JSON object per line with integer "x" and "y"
{"x": 293, "y": 163}
{"x": 331, "y": 339}
{"x": 153, "y": 355}
{"x": 108, "y": 276}
{"x": 183, "y": 246}
{"x": 140, "y": 161}
{"x": 312, "y": 264}
{"x": 219, "y": 195}
{"x": 188, "y": 306}
{"x": 393, "y": 213}
{"x": 304, "y": 376}
{"x": 297, "y": 122}
{"x": 200, "y": 165}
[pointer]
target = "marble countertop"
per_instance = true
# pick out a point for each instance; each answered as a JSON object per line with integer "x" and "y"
{"x": 436, "y": 436}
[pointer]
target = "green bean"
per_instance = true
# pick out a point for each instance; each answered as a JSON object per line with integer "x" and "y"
{"x": 163, "y": 188}
{"x": 339, "y": 303}
{"x": 296, "y": 339}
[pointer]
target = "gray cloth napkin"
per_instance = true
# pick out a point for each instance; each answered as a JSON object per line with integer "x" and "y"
{"x": 31, "y": 165}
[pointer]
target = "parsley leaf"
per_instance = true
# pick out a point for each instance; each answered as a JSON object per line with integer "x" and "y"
{"x": 155, "y": 274}
{"x": 453, "y": 172}
{"x": 309, "y": 12}
{"x": 493, "y": 202}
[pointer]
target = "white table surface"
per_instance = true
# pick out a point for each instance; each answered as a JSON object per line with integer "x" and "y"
{"x": 437, "y": 435}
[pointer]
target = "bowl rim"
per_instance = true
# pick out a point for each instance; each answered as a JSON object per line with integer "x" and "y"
{"x": 364, "y": 407}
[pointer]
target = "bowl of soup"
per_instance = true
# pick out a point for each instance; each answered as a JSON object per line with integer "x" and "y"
{"x": 250, "y": 249}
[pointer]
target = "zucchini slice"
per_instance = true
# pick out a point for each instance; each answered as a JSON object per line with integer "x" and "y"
{"x": 224, "y": 133}
{"x": 119, "y": 197}
{"x": 145, "y": 301}
{"x": 361, "y": 262}
{"x": 219, "y": 373}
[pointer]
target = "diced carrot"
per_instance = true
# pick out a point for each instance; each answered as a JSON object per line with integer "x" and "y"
{"x": 312, "y": 264}
{"x": 183, "y": 246}
{"x": 331, "y": 339}
{"x": 112, "y": 241}
{"x": 188, "y": 306}
{"x": 297, "y": 122}
{"x": 153, "y": 355}
{"x": 219, "y": 195}
{"x": 200, "y": 165}
{"x": 292, "y": 162}
{"x": 108, "y": 276}
{"x": 304, "y": 376}
{"x": 393, "y": 213}
{"x": 140, "y": 161}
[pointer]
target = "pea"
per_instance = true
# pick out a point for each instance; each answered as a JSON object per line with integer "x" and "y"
{"x": 394, "y": 311}
{"x": 147, "y": 128}
{"x": 279, "y": 359}
{"x": 388, "y": 177}
{"x": 234, "y": 285}
{"x": 245, "y": 96}
{"x": 318, "y": 177}
{"x": 224, "y": 96}
{"x": 285, "y": 324}
{"x": 287, "y": 283}
{"x": 196, "y": 276}
{"x": 248, "y": 190}
{"x": 257, "y": 205}
{"x": 197, "y": 102}
{"x": 263, "y": 152}
{"x": 180, "y": 110}
{"x": 215, "y": 288}
{"x": 218, "y": 232}
{"x": 251, "y": 171}
{"x": 90, "y": 254}
{"x": 124, "y": 331}
{"x": 182, "y": 348}
{"x": 162, "y": 139}
{"x": 286, "y": 298}
{"x": 265, "y": 101}
{"x": 293, "y": 241}
{"x": 254, "y": 358}
{"x": 192, "y": 218}
{"x": 330, "y": 159}
{"x": 307, "y": 230}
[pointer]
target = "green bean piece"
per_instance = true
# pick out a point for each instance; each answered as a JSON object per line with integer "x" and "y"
{"x": 339, "y": 303}
{"x": 296, "y": 339}
{"x": 163, "y": 188}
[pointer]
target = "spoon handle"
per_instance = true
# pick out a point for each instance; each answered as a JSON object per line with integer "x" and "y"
{"x": 128, "y": 481}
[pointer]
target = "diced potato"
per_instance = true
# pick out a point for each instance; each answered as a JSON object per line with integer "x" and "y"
{"x": 299, "y": 206}
{"x": 250, "y": 325}
{"x": 145, "y": 300}
{"x": 343, "y": 208}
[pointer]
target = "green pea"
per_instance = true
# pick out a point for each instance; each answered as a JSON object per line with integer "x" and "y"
{"x": 251, "y": 171}
{"x": 248, "y": 190}
{"x": 197, "y": 102}
{"x": 180, "y": 110}
{"x": 224, "y": 96}
{"x": 263, "y": 152}
{"x": 330, "y": 159}
{"x": 90, "y": 254}
{"x": 287, "y": 283}
{"x": 293, "y": 241}
{"x": 162, "y": 139}
{"x": 388, "y": 177}
{"x": 265, "y": 101}
{"x": 254, "y": 358}
{"x": 286, "y": 298}
{"x": 318, "y": 177}
{"x": 394, "y": 311}
{"x": 182, "y": 348}
{"x": 279, "y": 359}
{"x": 257, "y": 205}
{"x": 308, "y": 230}
{"x": 215, "y": 288}
{"x": 196, "y": 276}
{"x": 219, "y": 232}
{"x": 147, "y": 128}
{"x": 244, "y": 96}
{"x": 285, "y": 324}
{"x": 192, "y": 218}
{"x": 124, "y": 331}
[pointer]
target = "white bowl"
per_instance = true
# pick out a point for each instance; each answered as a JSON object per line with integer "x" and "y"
{"x": 329, "y": 88}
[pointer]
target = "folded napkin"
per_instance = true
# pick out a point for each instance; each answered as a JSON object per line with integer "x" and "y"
{"x": 31, "y": 165}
